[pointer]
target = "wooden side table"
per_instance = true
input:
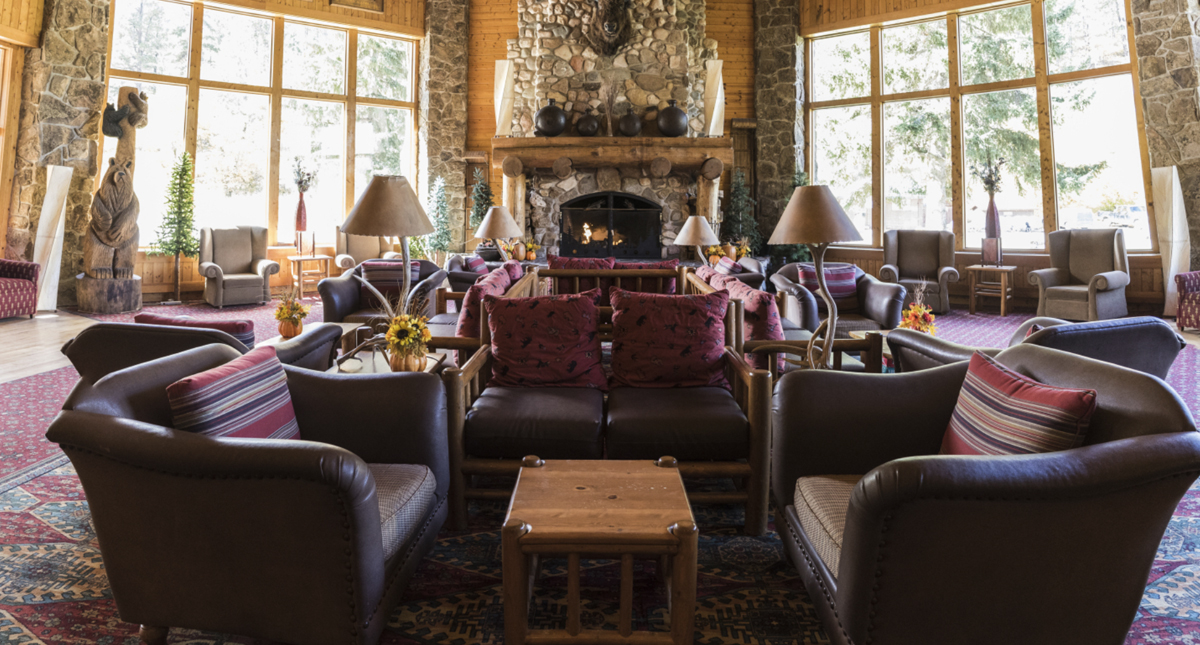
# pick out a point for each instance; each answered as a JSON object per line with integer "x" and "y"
{"x": 617, "y": 509}
{"x": 302, "y": 277}
{"x": 1002, "y": 289}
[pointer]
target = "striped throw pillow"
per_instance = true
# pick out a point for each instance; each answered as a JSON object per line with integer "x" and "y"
{"x": 841, "y": 279}
{"x": 1001, "y": 412}
{"x": 477, "y": 264}
{"x": 246, "y": 397}
{"x": 728, "y": 266}
{"x": 388, "y": 277}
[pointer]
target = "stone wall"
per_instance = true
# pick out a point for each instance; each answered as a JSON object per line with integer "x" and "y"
{"x": 778, "y": 106}
{"x": 62, "y": 99}
{"x": 1168, "y": 43}
{"x": 442, "y": 136}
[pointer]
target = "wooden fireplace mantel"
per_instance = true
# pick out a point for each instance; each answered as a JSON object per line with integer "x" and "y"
{"x": 683, "y": 154}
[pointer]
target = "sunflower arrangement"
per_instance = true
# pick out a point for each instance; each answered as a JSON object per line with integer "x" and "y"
{"x": 743, "y": 247}
{"x": 290, "y": 309}
{"x": 918, "y": 316}
{"x": 407, "y": 335}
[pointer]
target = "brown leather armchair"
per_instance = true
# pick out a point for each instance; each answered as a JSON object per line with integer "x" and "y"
{"x": 306, "y": 542}
{"x": 235, "y": 267}
{"x": 1088, "y": 275}
{"x": 342, "y": 296}
{"x": 461, "y": 278}
{"x": 910, "y": 257}
{"x": 897, "y": 544}
{"x": 752, "y": 273}
{"x": 1146, "y": 344}
{"x": 880, "y": 304}
{"x": 353, "y": 250}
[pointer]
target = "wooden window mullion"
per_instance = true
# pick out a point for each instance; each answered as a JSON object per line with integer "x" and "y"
{"x": 957, "y": 197}
{"x": 876, "y": 139}
{"x": 276, "y": 129}
{"x": 1045, "y": 135}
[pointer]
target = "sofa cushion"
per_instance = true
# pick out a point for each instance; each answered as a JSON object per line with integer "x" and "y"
{"x": 760, "y": 319}
{"x": 649, "y": 285}
{"x": 1076, "y": 292}
{"x": 552, "y": 423}
{"x": 405, "y": 494}
{"x": 728, "y": 266}
{"x": 705, "y": 273}
{"x": 1092, "y": 252}
{"x": 821, "y": 504}
{"x": 842, "y": 280}
{"x": 1002, "y": 412}
{"x": 247, "y": 397}
{"x": 545, "y": 341}
{"x": 493, "y": 284}
{"x": 247, "y": 281}
{"x": 476, "y": 264}
{"x": 242, "y": 330}
{"x": 514, "y": 270}
{"x": 567, "y": 285}
{"x": 668, "y": 341}
{"x": 692, "y": 423}
{"x": 232, "y": 250}
{"x": 388, "y": 277}
{"x": 364, "y": 247}
{"x": 722, "y": 281}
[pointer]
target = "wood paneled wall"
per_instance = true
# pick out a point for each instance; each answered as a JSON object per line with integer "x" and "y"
{"x": 820, "y": 16}
{"x": 731, "y": 24}
{"x": 21, "y": 21}
{"x": 398, "y": 16}
{"x": 491, "y": 23}
{"x": 158, "y": 273}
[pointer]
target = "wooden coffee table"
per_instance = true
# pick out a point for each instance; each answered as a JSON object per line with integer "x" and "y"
{"x": 612, "y": 509}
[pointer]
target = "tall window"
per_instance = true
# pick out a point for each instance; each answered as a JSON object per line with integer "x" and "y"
{"x": 254, "y": 116}
{"x": 902, "y": 116}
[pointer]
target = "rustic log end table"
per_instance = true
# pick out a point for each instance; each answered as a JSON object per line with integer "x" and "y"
{"x": 613, "y": 509}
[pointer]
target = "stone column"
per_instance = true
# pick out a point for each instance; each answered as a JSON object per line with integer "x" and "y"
{"x": 778, "y": 106}
{"x": 1168, "y": 42}
{"x": 443, "y": 112}
{"x": 62, "y": 99}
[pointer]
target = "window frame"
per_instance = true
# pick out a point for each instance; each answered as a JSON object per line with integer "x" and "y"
{"x": 1041, "y": 81}
{"x": 276, "y": 91}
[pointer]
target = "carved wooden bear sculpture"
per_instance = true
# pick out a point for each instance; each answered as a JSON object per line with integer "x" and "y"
{"x": 607, "y": 28}
{"x": 111, "y": 245}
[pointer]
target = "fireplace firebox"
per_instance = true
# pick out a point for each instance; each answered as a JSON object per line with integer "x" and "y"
{"x": 611, "y": 224}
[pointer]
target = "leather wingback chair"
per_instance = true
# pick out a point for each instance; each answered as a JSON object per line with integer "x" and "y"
{"x": 353, "y": 250}
{"x": 342, "y": 296}
{"x": 235, "y": 267}
{"x": 752, "y": 273}
{"x": 910, "y": 257}
{"x": 879, "y": 304}
{"x": 306, "y": 542}
{"x": 898, "y": 544}
{"x": 1088, "y": 275}
{"x": 1146, "y": 344}
{"x": 461, "y": 278}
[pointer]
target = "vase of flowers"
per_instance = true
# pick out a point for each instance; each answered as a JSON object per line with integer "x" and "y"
{"x": 989, "y": 175}
{"x": 531, "y": 249}
{"x": 714, "y": 253}
{"x": 304, "y": 180}
{"x": 406, "y": 338}
{"x": 743, "y": 248}
{"x": 918, "y": 316}
{"x": 290, "y": 313}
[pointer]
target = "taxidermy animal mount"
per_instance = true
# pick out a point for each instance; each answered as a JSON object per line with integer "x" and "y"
{"x": 608, "y": 27}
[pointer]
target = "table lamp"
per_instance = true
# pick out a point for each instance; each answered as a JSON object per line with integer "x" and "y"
{"x": 814, "y": 218}
{"x": 389, "y": 208}
{"x": 498, "y": 224}
{"x": 696, "y": 232}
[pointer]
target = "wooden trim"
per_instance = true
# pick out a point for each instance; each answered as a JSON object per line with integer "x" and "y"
{"x": 1139, "y": 113}
{"x": 19, "y": 38}
{"x": 877, "y": 161}
{"x": 888, "y": 18}
{"x": 10, "y": 112}
{"x": 351, "y": 114}
{"x": 276, "y": 129}
{"x": 321, "y": 18}
{"x": 192, "y": 119}
{"x": 958, "y": 211}
{"x": 1045, "y": 131}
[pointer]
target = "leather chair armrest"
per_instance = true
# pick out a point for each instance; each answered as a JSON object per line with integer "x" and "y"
{"x": 340, "y": 296}
{"x": 212, "y": 271}
{"x": 266, "y": 268}
{"x": 800, "y": 305}
{"x": 344, "y": 261}
{"x": 914, "y": 350}
{"x": 1108, "y": 281}
{"x": 820, "y": 427}
{"x": 889, "y": 273}
{"x": 1046, "y": 278}
{"x": 315, "y": 349}
{"x": 882, "y": 302}
{"x": 363, "y": 414}
{"x": 947, "y": 275}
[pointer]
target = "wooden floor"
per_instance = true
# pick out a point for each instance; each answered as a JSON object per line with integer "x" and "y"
{"x": 31, "y": 346}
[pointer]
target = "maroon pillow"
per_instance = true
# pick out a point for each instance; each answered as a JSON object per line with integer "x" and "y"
{"x": 477, "y": 264}
{"x": 760, "y": 319}
{"x": 649, "y": 285}
{"x": 388, "y": 277}
{"x": 706, "y": 273}
{"x": 545, "y": 341}
{"x": 243, "y": 330}
{"x": 668, "y": 341}
{"x": 514, "y": 269}
{"x": 567, "y": 285}
{"x": 492, "y": 284}
{"x": 1033, "y": 329}
{"x": 247, "y": 397}
{"x": 721, "y": 281}
{"x": 840, "y": 277}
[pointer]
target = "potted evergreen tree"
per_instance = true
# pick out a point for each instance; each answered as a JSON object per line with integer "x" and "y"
{"x": 177, "y": 233}
{"x": 439, "y": 242}
{"x": 740, "y": 227}
{"x": 481, "y": 201}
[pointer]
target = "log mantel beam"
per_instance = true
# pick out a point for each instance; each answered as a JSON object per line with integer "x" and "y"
{"x": 684, "y": 154}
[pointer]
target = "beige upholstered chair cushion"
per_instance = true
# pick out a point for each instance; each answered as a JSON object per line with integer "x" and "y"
{"x": 821, "y": 504}
{"x": 918, "y": 251}
{"x": 232, "y": 250}
{"x": 1070, "y": 292}
{"x": 1092, "y": 252}
{"x": 405, "y": 493}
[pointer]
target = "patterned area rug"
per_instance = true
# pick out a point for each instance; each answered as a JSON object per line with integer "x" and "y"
{"x": 53, "y": 587}
{"x": 263, "y": 316}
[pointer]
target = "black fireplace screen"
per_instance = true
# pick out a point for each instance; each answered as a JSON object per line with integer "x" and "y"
{"x": 611, "y": 225}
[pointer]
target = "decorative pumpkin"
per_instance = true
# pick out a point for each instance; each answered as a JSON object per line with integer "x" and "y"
{"x": 518, "y": 251}
{"x": 289, "y": 329}
{"x": 531, "y": 256}
{"x": 406, "y": 362}
{"x": 714, "y": 259}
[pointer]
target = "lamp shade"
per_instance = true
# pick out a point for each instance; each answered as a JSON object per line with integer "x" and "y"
{"x": 498, "y": 224}
{"x": 696, "y": 232}
{"x": 813, "y": 216}
{"x": 388, "y": 208}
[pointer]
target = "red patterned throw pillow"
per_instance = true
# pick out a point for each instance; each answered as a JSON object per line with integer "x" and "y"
{"x": 493, "y": 284}
{"x": 388, "y": 277}
{"x": 477, "y": 264}
{"x": 242, "y": 330}
{"x": 760, "y": 319}
{"x": 246, "y": 397}
{"x": 841, "y": 280}
{"x": 1001, "y": 412}
{"x": 705, "y": 273}
{"x": 514, "y": 269}
{"x": 545, "y": 341}
{"x": 728, "y": 266}
{"x": 567, "y": 285}
{"x": 649, "y": 285}
{"x": 668, "y": 341}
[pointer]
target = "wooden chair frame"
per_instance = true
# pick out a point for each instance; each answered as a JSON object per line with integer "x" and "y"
{"x": 616, "y": 276}
{"x": 523, "y": 288}
{"x": 751, "y": 389}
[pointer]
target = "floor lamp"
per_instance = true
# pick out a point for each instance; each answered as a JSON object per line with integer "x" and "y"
{"x": 696, "y": 232}
{"x": 496, "y": 225}
{"x": 814, "y": 218}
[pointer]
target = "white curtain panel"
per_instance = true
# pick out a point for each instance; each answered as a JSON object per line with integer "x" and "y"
{"x": 1173, "y": 241}
{"x": 47, "y": 247}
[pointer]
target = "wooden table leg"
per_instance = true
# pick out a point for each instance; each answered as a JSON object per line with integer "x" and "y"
{"x": 971, "y": 288}
{"x": 683, "y": 587}
{"x": 516, "y": 583}
{"x": 1003, "y": 293}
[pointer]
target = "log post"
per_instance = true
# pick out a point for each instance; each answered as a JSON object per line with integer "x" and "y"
{"x": 660, "y": 167}
{"x": 563, "y": 167}
{"x": 512, "y": 166}
{"x": 708, "y": 199}
{"x": 512, "y": 197}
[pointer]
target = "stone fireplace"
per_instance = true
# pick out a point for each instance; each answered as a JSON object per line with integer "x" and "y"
{"x": 610, "y": 224}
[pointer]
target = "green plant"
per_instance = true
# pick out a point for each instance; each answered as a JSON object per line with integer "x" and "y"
{"x": 481, "y": 198}
{"x": 740, "y": 223}
{"x": 177, "y": 233}
{"x": 442, "y": 236}
{"x": 800, "y": 178}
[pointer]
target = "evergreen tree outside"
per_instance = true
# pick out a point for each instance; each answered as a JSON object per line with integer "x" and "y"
{"x": 481, "y": 198}
{"x": 740, "y": 223}
{"x": 442, "y": 236}
{"x": 177, "y": 234}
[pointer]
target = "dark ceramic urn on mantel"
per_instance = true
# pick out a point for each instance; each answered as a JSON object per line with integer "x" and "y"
{"x": 587, "y": 125}
{"x": 672, "y": 120}
{"x": 630, "y": 125}
{"x": 550, "y": 121}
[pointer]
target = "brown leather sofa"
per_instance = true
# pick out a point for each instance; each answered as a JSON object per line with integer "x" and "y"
{"x": 896, "y": 544}
{"x": 752, "y": 273}
{"x": 342, "y": 296}
{"x": 913, "y": 257}
{"x": 880, "y": 304}
{"x": 105, "y": 348}
{"x": 1145, "y": 344}
{"x": 306, "y": 542}
{"x": 461, "y": 278}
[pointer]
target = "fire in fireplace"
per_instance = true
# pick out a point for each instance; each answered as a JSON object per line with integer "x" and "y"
{"x": 611, "y": 224}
